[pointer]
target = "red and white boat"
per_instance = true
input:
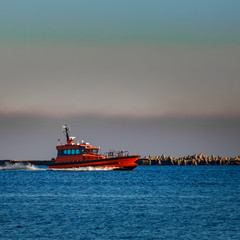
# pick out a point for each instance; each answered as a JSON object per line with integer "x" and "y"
{"x": 76, "y": 155}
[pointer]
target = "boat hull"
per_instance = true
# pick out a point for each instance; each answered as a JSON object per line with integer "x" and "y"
{"x": 115, "y": 163}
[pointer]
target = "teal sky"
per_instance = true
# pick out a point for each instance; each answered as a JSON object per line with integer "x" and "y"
{"x": 187, "y": 21}
{"x": 148, "y": 76}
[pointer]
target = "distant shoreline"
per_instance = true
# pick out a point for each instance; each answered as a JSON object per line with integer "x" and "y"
{"x": 155, "y": 160}
{"x": 189, "y": 160}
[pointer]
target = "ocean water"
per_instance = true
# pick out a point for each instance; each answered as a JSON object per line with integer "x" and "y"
{"x": 151, "y": 202}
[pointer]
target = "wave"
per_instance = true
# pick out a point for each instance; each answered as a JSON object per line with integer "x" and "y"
{"x": 20, "y": 166}
{"x": 89, "y": 168}
{"x": 32, "y": 167}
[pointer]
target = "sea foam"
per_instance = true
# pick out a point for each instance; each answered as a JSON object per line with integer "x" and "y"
{"x": 32, "y": 167}
{"x": 89, "y": 168}
{"x": 20, "y": 166}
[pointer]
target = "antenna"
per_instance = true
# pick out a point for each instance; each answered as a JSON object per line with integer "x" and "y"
{"x": 66, "y": 131}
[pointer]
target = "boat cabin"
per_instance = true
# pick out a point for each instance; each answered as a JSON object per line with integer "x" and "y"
{"x": 66, "y": 150}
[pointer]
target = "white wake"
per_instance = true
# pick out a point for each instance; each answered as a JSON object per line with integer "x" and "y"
{"x": 32, "y": 167}
{"x": 89, "y": 168}
{"x": 20, "y": 166}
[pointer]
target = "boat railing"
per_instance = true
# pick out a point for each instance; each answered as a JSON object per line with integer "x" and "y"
{"x": 116, "y": 154}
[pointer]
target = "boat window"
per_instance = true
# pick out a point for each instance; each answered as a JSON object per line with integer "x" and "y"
{"x": 79, "y": 151}
{"x": 70, "y": 152}
{"x": 95, "y": 150}
{"x": 60, "y": 152}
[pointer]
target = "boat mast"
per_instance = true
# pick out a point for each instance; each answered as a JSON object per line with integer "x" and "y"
{"x": 66, "y": 131}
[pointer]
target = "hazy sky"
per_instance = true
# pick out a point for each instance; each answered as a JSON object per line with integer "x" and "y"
{"x": 128, "y": 66}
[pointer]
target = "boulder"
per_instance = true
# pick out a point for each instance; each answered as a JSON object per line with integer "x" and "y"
{"x": 212, "y": 157}
{"x": 164, "y": 157}
{"x": 194, "y": 156}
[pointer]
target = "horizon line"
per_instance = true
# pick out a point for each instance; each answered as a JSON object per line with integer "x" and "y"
{"x": 119, "y": 116}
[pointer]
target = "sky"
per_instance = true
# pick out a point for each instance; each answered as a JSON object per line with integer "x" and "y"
{"x": 151, "y": 77}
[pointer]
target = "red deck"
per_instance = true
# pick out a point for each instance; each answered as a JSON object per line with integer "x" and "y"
{"x": 117, "y": 163}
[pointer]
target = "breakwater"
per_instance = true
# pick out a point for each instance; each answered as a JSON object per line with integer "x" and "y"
{"x": 196, "y": 159}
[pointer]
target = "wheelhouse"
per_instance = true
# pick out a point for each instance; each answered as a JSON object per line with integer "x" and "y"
{"x": 78, "y": 151}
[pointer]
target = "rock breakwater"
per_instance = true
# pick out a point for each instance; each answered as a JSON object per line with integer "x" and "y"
{"x": 196, "y": 159}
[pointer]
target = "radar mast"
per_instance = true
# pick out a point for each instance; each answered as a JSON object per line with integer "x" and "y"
{"x": 66, "y": 131}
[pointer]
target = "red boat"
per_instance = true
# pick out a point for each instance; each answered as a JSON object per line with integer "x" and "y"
{"x": 76, "y": 155}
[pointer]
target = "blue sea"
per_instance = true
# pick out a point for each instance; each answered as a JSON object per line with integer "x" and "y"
{"x": 150, "y": 202}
